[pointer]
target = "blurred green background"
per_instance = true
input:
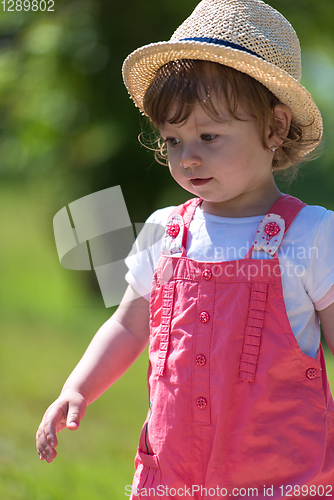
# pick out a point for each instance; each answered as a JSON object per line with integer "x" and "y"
{"x": 68, "y": 129}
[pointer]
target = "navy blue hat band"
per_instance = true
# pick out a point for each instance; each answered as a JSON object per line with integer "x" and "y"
{"x": 217, "y": 41}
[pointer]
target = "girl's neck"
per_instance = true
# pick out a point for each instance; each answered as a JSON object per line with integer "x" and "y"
{"x": 246, "y": 205}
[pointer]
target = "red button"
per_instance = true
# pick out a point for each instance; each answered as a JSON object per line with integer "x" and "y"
{"x": 204, "y": 317}
{"x": 201, "y": 403}
{"x": 207, "y": 274}
{"x": 311, "y": 373}
{"x": 271, "y": 229}
{"x": 173, "y": 230}
{"x": 200, "y": 360}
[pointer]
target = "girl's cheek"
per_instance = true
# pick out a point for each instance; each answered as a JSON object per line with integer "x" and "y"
{"x": 172, "y": 163}
{"x": 171, "y": 155}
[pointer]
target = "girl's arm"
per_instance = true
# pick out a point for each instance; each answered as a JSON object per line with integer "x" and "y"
{"x": 327, "y": 324}
{"x": 114, "y": 348}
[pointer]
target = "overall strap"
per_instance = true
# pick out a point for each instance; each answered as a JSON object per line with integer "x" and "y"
{"x": 268, "y": 238}
{"x": 178, "y": 224}
{"x": 175, "y": 240}
{"x": 288, "y": 207}
{"x": 275, "y": 224}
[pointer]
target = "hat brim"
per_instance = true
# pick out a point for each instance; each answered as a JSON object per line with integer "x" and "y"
{"x": 140, "y": 67}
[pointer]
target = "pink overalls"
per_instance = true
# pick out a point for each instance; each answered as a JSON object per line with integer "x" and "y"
{"x": 234, "y": 403}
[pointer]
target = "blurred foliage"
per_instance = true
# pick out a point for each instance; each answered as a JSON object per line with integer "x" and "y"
{"x": 65, "y": 115}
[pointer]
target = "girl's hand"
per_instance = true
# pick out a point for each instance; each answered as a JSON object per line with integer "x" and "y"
{"x": 66, "y": 411}
{"x": 113, "y": 349}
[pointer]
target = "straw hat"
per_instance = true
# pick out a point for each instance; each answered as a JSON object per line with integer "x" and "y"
{"x": 247, "y": 35}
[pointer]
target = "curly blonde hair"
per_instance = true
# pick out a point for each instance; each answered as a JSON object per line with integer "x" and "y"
{"x": 186, "y": 82}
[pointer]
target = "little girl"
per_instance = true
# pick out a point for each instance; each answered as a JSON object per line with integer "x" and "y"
{"x": 240, "y": 404}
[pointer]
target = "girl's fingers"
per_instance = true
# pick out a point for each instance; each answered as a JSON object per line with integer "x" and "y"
{"x": 54, "y": 421}
{"x": 45, "y": 451}
{"x": 49, "y": 454}
{"x": 74, "y": 415}
{"x": 42, "y": 445}
{"x": 72, "y": 425}
{"x": 46, "y": 439}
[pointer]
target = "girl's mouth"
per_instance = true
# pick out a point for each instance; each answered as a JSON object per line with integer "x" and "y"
{"x": 200, "y": 182}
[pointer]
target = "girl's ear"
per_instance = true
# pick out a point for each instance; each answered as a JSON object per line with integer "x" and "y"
{"x": 280, "y": 128}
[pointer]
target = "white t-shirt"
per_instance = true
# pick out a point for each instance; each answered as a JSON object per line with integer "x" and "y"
{"x": 306, "y": 256}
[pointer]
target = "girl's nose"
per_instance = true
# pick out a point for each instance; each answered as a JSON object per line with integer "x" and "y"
{"x": 190, "y": 159}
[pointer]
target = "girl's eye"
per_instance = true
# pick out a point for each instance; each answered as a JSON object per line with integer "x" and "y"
{"x": 172, "y": 141}
{"x": 208, "y": 137}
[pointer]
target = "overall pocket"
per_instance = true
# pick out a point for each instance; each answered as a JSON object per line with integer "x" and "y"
{"x": 147, "y": 478}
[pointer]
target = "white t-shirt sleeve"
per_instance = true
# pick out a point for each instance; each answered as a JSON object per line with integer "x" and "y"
{"x": 145, "y": 252}
{"x": 321, "y": 271}
{"x": 326, "y": 300}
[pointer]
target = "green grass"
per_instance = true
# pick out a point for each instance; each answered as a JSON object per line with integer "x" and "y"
{"x": 94, "y": 462}
{"x": 47, "y": 319}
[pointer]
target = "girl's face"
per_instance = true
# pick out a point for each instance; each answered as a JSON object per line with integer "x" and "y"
{"x": 223, "y": 162}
